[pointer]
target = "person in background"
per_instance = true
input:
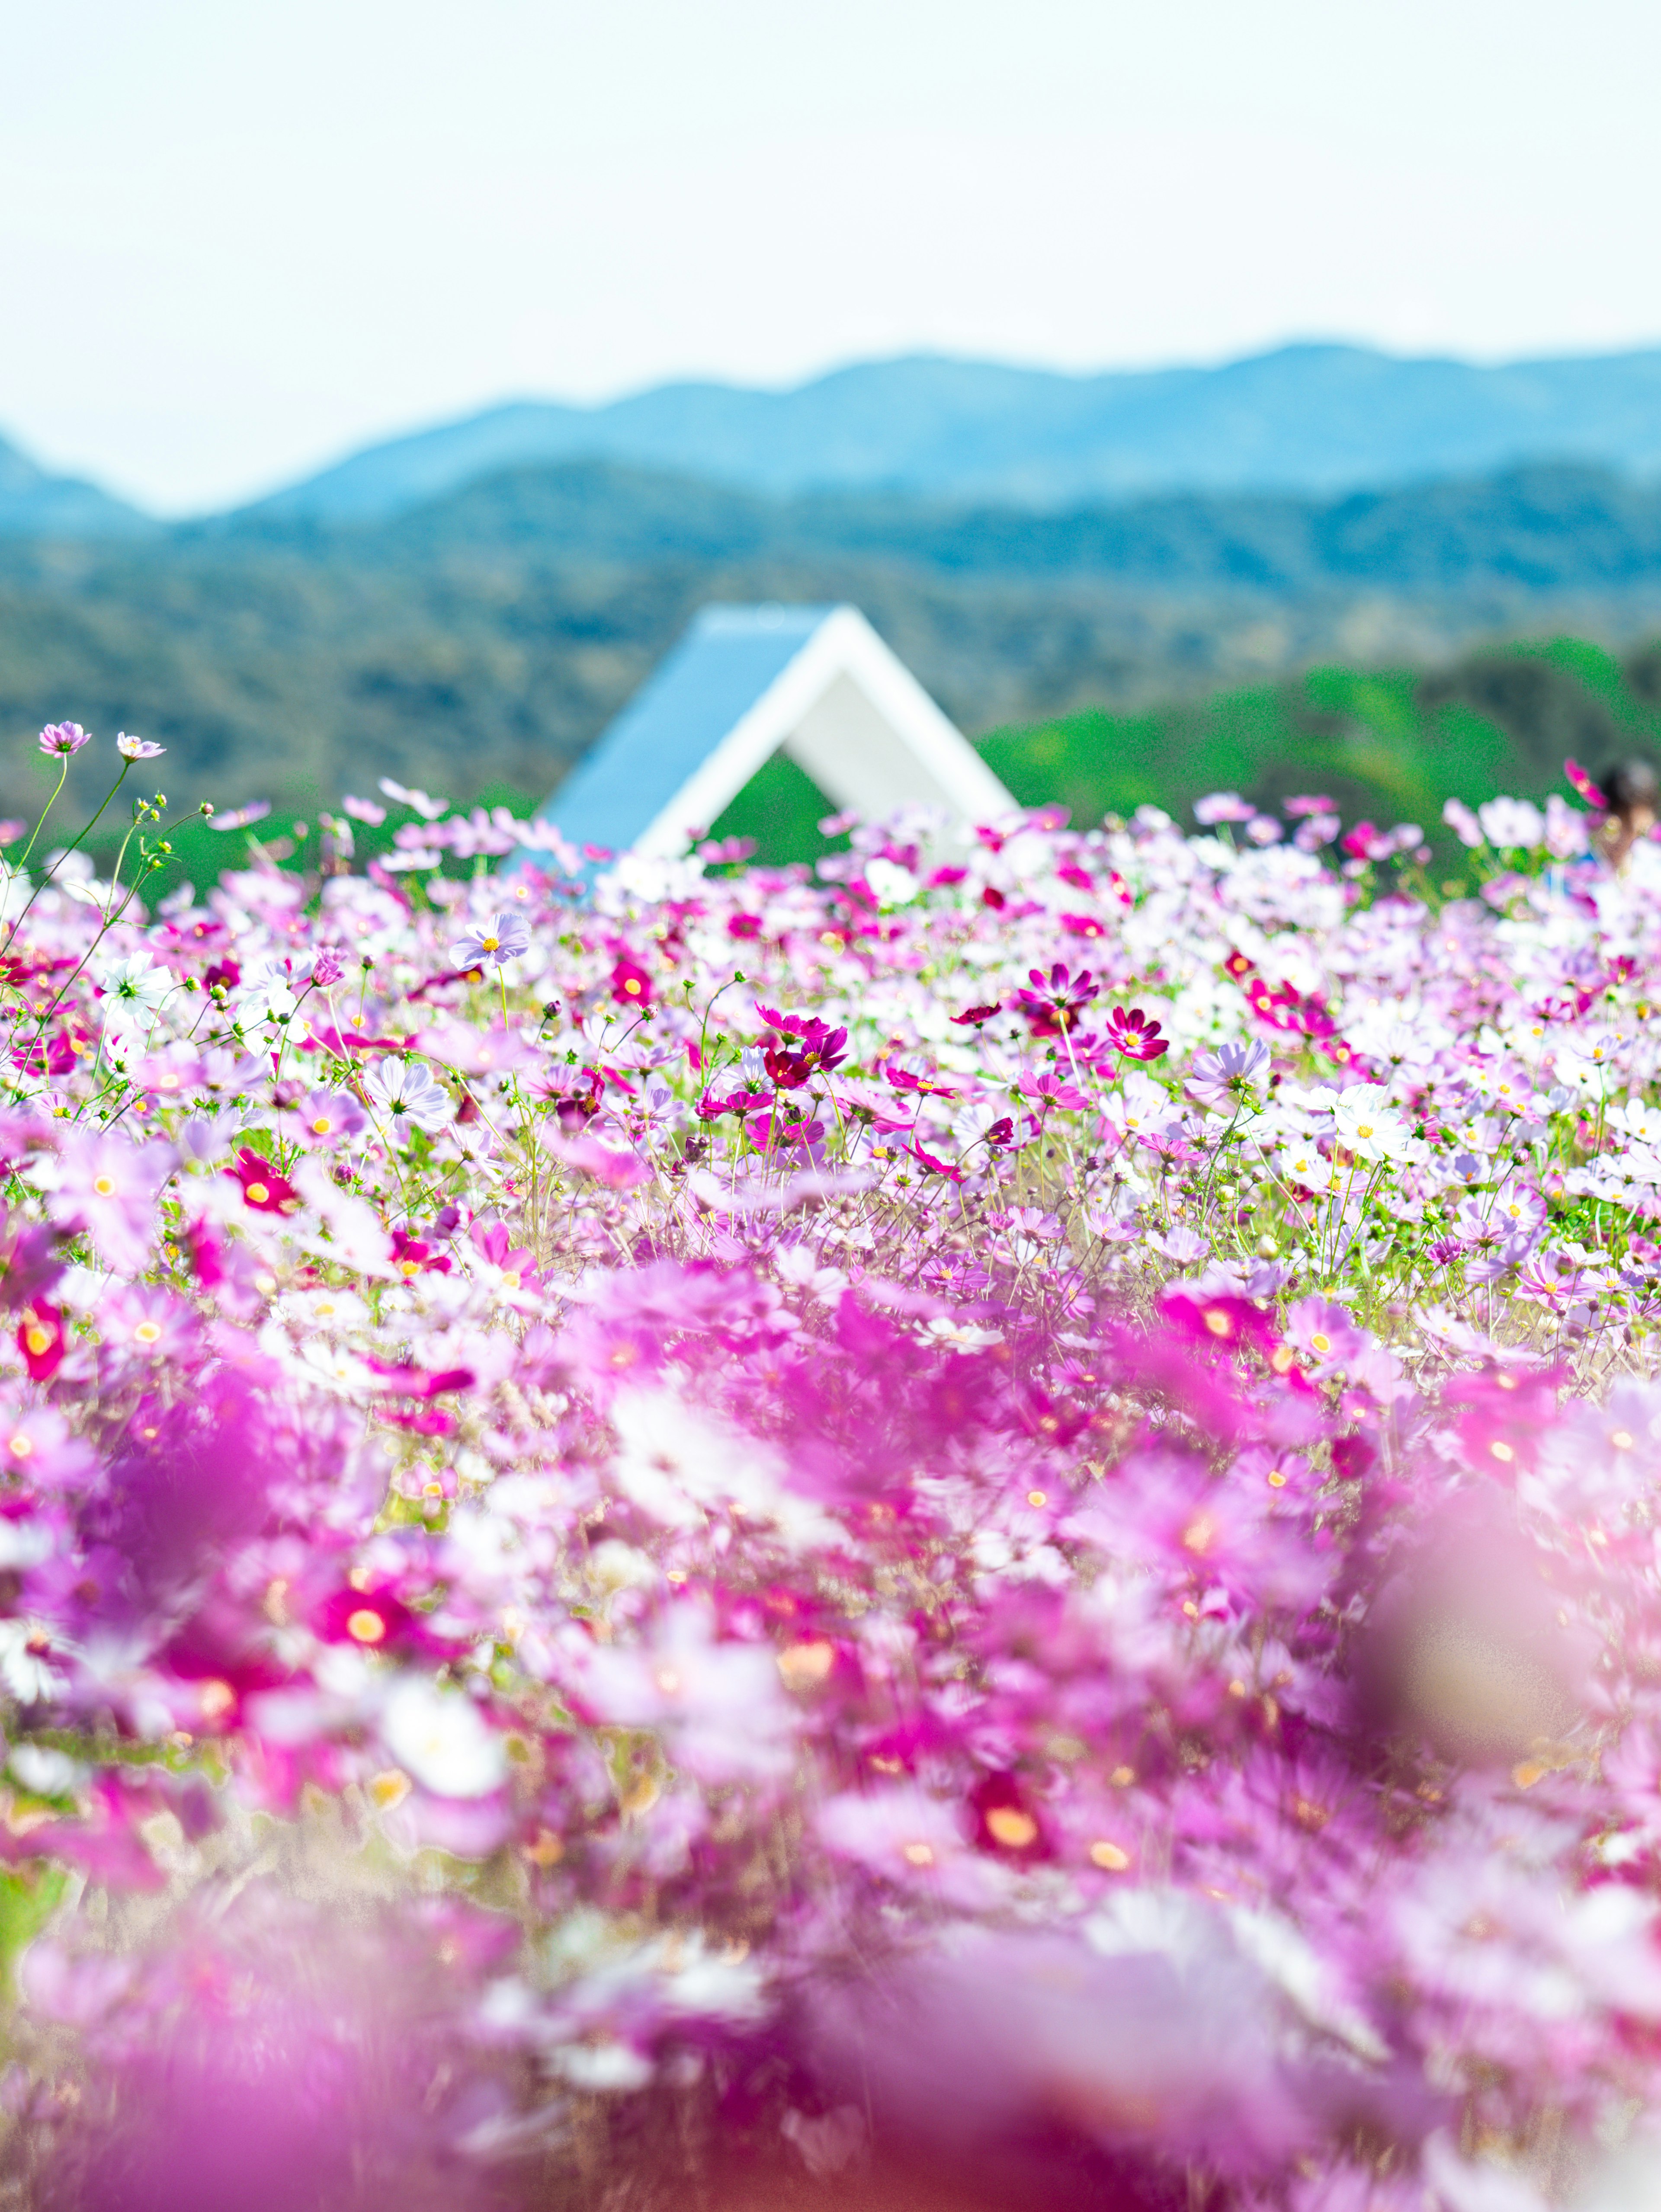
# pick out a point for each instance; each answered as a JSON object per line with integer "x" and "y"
{"x": 1632, "y": 797}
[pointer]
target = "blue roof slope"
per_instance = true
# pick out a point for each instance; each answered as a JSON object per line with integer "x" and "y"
{"x": 714, "y": 675}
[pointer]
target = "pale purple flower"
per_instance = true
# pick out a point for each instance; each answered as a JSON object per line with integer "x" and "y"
{"x": 138, "y": 749}
{"x": 429, "y": 809}
{"x": 109, "y": 1186}
{"x": 1222, "y": 806}
{"x": 1232, "y": 1069}
{"x": 493, "y": 944}
{"x": 329, "y": 1119}
{"x": 1316, "y": 830}
{"x": 62, "y": 738}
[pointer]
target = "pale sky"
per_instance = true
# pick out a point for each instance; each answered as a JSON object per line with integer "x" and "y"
{"x": 236, "y": 241}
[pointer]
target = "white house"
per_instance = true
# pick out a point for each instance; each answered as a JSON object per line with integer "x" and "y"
{"x": 745, "y": 682}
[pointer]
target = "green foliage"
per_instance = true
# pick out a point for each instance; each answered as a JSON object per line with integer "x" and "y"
{"x": 780, "y": 808}
{"x": 29, "y": 1895}
{"x": 1390, "y": 746}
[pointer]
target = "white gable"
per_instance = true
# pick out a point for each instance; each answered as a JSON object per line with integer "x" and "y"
{"x": 815, "y": 682}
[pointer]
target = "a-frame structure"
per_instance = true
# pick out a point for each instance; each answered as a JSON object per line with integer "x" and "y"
{"x": 815, "y": 682}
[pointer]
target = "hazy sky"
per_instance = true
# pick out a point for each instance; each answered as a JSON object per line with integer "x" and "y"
{"x": 237, "y": 240}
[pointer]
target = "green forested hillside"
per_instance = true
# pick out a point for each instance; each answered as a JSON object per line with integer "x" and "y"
{"x": 1104, "y": 657}
{"x": 1392, "y": 745}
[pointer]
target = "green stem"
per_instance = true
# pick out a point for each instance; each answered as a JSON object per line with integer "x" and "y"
{"x": 73, "y": 845}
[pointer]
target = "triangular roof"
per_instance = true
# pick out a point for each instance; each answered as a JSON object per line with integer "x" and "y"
{"x": 745, "y": 682}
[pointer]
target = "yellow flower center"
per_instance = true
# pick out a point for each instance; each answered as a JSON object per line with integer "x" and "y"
{"x": 1321, "y": 1342}
{"x": 1277, "y": 1479}
{"x": 1199, "y": 1534}
{"x": 37, "y": 1340}
{"x": 1038, "y": 1498}
{"x": 1364, "y": 1128}
{"x": 321, "y": 1125}
{"x": 1503, "y": 1452}
{"x": 490, "y": 944}
{"x": 105, "y": 1186}
{"x": 1008, "y": 1825}
{"x": 632, "y": 988}
{"x": 918, "y": 1855}
{"x": 366, "y": 1626}
{"x": 1109, "y": 1857}
{"x": 257, "y": 1194}
{"x": 803, "y": 1666}
{"x": 20, "y": 1446}
{"x": 147, "y": 1332}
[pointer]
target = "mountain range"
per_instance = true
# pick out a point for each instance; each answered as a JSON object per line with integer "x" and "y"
{"x": 467, "y": 609}
{"x": 1317, "y": 421}
{"x": 35, "y": 504}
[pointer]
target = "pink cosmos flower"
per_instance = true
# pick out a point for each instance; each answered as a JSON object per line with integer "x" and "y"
{"x": 37, "y": 1451}
{"x": 328, "y": 1119}
{"x": 138, "y": 749}
{"x": 911, "y": 1840}
{"x": 1325, "y": 1333}
{"x": 60, "y": 739}
{"x": 719, "y": 1705}
{"x": 109, "y": 1186}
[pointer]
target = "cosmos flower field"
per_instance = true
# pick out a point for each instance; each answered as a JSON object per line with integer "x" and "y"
{"x": 976, "y": 1529}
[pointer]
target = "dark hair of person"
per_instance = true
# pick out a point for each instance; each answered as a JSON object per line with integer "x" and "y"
{"x": 1629, "y": 784}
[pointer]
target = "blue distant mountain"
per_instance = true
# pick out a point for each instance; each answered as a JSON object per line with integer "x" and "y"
{"x": 34, "y": 504}
{"x": 1310, "y": 419}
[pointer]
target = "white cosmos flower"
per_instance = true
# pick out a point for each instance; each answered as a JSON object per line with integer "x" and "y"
{"x": 1304, "y": 1165}
{"x": 407, "y": 1090}
{"x": 1641, "y": 1122}
{"x": 1513, "y": 823}
{"x": 138, "y": 986}
{"x": 23, "y": 1665}
{"x": 893, "y": 884}
{"x": 439, "y": 1737}
{"x": 1368, "y": 1125}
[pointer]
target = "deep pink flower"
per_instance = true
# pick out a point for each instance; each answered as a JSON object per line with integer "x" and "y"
{"x": 630, "y": 984}
{"x": 41, "y": 1340}
{"x": 1583, "y": 783}
{"x": 1056, "y": 1001}
{"x": 1134, "y": 1035}
{"x": 263, "y": 1188}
